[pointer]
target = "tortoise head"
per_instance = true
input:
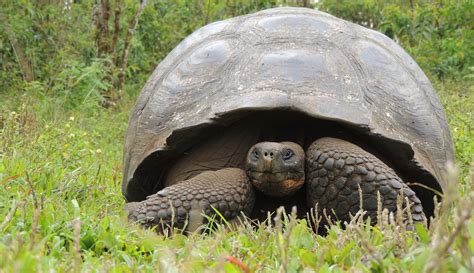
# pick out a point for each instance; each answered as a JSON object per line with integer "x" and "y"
{"x": 276, "y": 169}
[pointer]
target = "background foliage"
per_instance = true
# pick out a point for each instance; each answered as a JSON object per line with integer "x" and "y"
{"x": 61, "y": 150}
{"x": 59, "y": 40}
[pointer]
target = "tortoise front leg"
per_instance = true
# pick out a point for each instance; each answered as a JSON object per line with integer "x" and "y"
{"x": 182, "y": 205}
{"x": 337, "y": 169}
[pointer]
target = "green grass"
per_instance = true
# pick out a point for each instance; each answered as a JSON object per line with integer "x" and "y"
{"x": 61, "y": 206}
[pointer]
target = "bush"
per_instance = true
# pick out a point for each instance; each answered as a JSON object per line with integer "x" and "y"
{"x": 438, "y": 34}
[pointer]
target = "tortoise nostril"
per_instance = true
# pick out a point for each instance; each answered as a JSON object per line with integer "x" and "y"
{"x": 268, "y": 154}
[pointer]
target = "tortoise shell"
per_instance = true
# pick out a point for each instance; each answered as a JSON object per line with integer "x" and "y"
{"x": 297, "y": 59}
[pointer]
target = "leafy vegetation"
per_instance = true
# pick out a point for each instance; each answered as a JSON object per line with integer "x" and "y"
{"x": 439, "y": 34}
{"x": 61, "y": 151}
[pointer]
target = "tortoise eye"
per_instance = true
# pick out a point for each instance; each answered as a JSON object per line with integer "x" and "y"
{"x": 255, "y": 154}
{"x": 288, "y": 154}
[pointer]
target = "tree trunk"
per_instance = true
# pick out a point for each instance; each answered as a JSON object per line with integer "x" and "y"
{"x": 101, "y": 18}
{"x": 118, "y": 11}
{"x": 303, "y": 3}
{"x": 23, "y": 62}
{"x": 132, "y": 26}
{"x": 107, "y": 40}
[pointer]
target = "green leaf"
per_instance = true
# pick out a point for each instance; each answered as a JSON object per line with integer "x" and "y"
{"x": 422, "y": 233}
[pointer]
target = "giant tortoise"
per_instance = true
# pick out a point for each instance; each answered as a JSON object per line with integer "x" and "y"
{"x": 284, "y": 107}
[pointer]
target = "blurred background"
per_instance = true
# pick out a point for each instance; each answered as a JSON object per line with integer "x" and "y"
{"x": 82, "y": 50}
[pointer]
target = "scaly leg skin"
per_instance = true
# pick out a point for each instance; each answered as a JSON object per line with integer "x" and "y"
{"x": 335, "y": 169}
{"x": 182, "y": 205}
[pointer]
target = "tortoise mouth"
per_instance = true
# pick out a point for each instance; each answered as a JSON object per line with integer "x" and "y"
{"x": 268, "y": 172}
{"x": 269, "y": 177}
{"x": 277, "y": 184}
{"x": 279, "y": 189}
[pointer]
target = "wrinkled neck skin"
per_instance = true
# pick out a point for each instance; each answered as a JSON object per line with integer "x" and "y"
{"x": 276, "y": 168}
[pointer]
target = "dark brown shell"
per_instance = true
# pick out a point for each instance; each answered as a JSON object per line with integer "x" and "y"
{"x": 286, "y": 58}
